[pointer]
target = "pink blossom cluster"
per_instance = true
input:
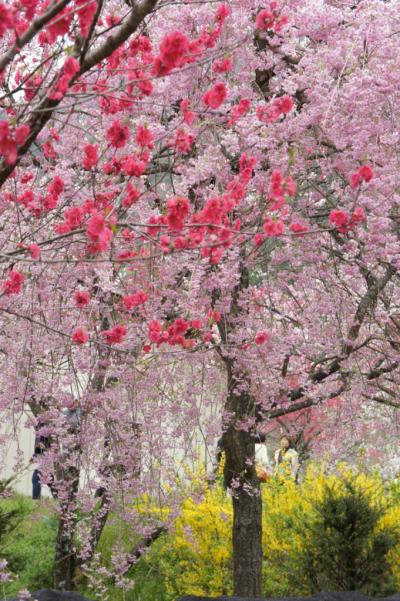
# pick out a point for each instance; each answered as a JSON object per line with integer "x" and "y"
{"x": 365, "y": 173}
{"x": 182, "y": 332}
{"x": 11, "y": 139}
{"x": 210, "y": 228}
{"x": 273, "y": 111}
{"x": 270, "y": 19}
{"x": 13, "y": 283}
{"x": 176, "y": 49}
{"x": 70, "y": 68}
{"x": 344, "y": 222}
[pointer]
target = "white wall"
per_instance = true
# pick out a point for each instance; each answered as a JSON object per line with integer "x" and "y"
{"x": 18, "y": 448}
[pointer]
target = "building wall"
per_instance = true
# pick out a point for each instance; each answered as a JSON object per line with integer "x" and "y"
{"x": 18, "y": 448}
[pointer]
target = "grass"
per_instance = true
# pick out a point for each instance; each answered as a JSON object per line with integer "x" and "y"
{"x": 30, "y": 550}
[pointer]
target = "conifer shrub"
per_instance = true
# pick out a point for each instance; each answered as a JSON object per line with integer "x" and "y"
{"x": 346, "y": 547}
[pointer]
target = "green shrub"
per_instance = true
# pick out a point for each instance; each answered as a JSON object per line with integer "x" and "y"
{"x": 344, "y": 547}
{"x": 334, "y": 531}
{"x": 12, "y": 511}
{"x": 29, "y": 549}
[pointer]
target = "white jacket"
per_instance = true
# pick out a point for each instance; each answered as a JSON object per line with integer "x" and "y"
{"x": 261, "y": 457}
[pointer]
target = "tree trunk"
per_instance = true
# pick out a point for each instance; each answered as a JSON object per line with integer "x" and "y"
{"x": 65, "y": 562}
{"x": 241, "y": 477}
{"x": 238, "y": 442}
{"x": 247, "y": 550}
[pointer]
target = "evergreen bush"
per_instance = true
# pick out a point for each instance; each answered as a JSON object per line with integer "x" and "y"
{"x": 345, "y": 548}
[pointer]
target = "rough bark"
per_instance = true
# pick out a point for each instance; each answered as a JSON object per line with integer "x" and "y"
{"x": 65, "y": 557}
{"x": 239, "y": 470}
{"x": 247, "y": 550}
{"x": 247, "y": 515}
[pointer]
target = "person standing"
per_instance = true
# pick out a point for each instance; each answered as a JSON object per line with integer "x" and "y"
{"x": 41, "y": 444}
{"x": 73, "y": 416}
{"x": 36, "y": 484}
{"x": 263, "y": 467}
{"x": 286, "y": 460}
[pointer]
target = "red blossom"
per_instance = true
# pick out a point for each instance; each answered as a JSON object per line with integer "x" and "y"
{"x": 144, "y": 137}
{"x": 13, "y": 284}
{"x": 118, "y": 134}
{"x": 48, "y": 151}
{"x": 239, "y": 110}
{"x": 135, "y": 300}
{"x": 134, "y": 166}
{"x": 91, "y": 156}
{"x": 29, "y": 7}
{"x": 95, "y": 226}
{"x": 261, "y": 338}
{"x": 172, "y": 51}
{"x": 355, "y": 180}
{"x": 126, "y": 255}
{"x": 80, "y": 336}
{"x": 358, "y": 216}
{"x": 58, "y": 27}
{"x": 11, "y": 139}
{"x": 115, "y": 334}
{"x": 68, "y": 71}
{"x": 272, "y": 227}
{"x": 56, "y": 186}
{"x": 298, "y": 229}
{"x": 265, "y": 20}
{"x": 269, "y": 19}
{"x": 49, "y": 202}
{"x": 7, "y": 20}
{"x": 284, "y": 104}
{"x": 21, "y": 134}
{"x": 258, "y": 239}
{"x": 222, "y": 13}
{"x": 215, "y": 96}
{"x": 82, "y": 298}
{"x": 86, "y": 11}
{"x": 188, "y": 115}
{"x": 132, "y": 195}
{"x": 269, "y": 113}
{"x": 73, "y": 217}
{"x": 366, "y": 173}
{"x": 222, "y": 65}
{"x": 340, "y": 219}
{"x": 98, "y": 233}
{"x": 34, "y": 251}
{"x": 177, "y": 210}
{"x": 155, "y": 331}
{"x": 183, "y": 141}
{"x": 145, "y": 85}
{"x": 214, "y": 316}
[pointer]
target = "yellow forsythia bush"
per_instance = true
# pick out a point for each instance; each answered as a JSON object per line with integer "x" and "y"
{"x": 196, "y": 557}
{"x": 286, "y": 508}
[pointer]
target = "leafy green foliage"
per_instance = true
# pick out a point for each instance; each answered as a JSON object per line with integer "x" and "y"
{"x": 333, "y": 532}
{"x": 345, "y": 548}
{"x": 10, "y": 514}
{"x": 29, "y": 548}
